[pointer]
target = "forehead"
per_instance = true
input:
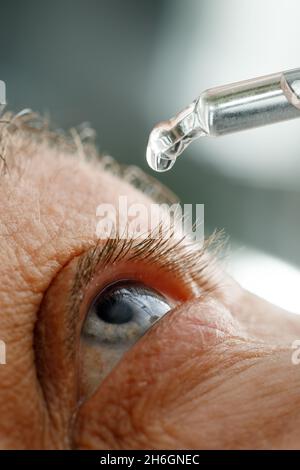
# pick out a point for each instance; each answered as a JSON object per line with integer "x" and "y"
{"x": 61, "y": 194}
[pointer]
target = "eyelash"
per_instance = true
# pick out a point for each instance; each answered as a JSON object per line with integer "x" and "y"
{"x": 185, "y": 259}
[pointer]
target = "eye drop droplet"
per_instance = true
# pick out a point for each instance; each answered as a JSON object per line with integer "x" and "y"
{"x": 157, "y": 161}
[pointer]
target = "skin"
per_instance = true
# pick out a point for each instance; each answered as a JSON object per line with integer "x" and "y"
{"x": 215, "y": 372}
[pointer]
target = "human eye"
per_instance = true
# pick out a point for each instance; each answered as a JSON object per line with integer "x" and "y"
{"x": 104, "y": 301}
{"x": 130, "y": 286}
{"x": 123, "y": 312}
{"x": 116, "y": 318}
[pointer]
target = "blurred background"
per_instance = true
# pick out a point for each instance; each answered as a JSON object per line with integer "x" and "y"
{"x": 123, "y": 65}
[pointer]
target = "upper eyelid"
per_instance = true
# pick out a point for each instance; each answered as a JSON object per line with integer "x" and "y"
{"x": 183, "y": 258}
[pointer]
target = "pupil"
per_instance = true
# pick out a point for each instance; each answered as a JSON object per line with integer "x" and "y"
{"x": 114, "y": 310}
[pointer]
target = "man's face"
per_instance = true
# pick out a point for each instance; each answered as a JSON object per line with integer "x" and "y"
{"x": 214, "y": 372}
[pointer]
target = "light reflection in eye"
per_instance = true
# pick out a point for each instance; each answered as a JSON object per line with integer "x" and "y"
{"x": 117, "y": 317}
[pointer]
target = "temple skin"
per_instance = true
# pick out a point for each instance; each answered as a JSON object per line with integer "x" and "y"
{"x": 215, "y": 372}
